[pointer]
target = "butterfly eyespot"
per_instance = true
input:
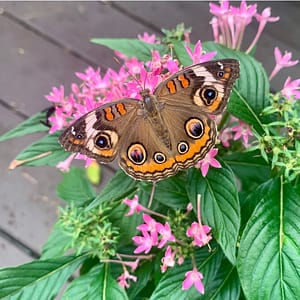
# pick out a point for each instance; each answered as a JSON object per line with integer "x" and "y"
{"x": 159, "y": 157}
{"x": 194, "y": 128}
{"x": 103, "y": 141}
{"x": 220, "y": 74}
{"x": 137, "y": 154}
{"x": 79, "y": 136}
{"x": 208, "y": 95}
{"x": 182, "y": 147}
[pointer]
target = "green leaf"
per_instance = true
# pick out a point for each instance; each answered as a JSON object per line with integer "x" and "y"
{"x": 170, "y": 285}
{"x": 253, "y": 199}
{"x": 119, "y": 187}
{"x": 219, "y": 205}
{"x": 40, "y": 279}
{"x": 171, "y": 192}
{"x": 249, "y": 167}
{"x": 31, "y": 125}
{"x": 225, "y": 285}
{"x": 46, "y": 151}
{"x": 251, "y": 93}
{"x": 181, "y": 53}
{"x": 131, "y": 47}
{"x": 269, "y": 254}
{"x": 95, "y": 285}
{"x": 75, "y": 187}
{"x": 144, "y": 273}
{"x": 57, "y": 244}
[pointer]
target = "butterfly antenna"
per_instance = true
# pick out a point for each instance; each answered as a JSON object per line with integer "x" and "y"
{"x": 131, "y": 74}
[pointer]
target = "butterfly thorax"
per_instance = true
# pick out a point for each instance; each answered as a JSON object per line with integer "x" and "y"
{"x": 152, "y": 112}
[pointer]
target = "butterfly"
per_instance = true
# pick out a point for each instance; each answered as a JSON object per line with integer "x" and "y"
{"x": 167, "y": 131}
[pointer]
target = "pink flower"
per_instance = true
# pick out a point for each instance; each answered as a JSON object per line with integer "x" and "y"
{"x": 57, "y": 95}
{"x": 145, "y": 243}
{"x": 221, "y": 10}
{"x": 197, "y": 54}
{"x": 122, "y": 279}
{"x": 207, "y": 161}
{"x": 189, "y": 207}
{"x": 57, "y": 120}
{"x": 199, "y": 233}
{"x": 282, "y": 61}
{"x": 225, "y": 136}
{"x": 151, "y": 226}
{"x": 165, "y": 234}
{"x": 168, "y": 260}
{"x": 242, "y": 130}
{"x": 146, "y": 37}
{"x": 64, "y": 165}
{"x": 262, "y": 19}
{"x": 134, "y": 206}
{"x": 193, "y": 278}
{"x": 291, "y": 89}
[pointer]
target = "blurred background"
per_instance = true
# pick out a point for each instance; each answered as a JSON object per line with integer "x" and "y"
{"x": 44, "y": 43}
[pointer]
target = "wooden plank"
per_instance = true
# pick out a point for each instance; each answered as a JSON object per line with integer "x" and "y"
{"x": 30, "y": 67}
{"x": 73, "y": 24}
{"x": 11, "y": 255}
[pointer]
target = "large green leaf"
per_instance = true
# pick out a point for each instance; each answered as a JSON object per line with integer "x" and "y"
{"x": 249, "y": 167}
{"x": 97, "y": 284}
{"x": 75, "y": 187}
{"x": 269, "y": 254}
{"x": 131, "y": 47}
{"x": 119, "y": 187}
{"x": 252, "y": 199}
{"x": 40, "y": 279}
{"x": 226, "y": 284}
{"x": 219, "y": 205}
{"x": 31, "y": 125}
{"x": 46, "y": 151}
{"x": 170, "y": 285}
{"x": 251, "y": 93}
{"x": 171, "y": 192}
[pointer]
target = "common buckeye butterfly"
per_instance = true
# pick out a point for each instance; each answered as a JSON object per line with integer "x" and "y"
{"x": 167, "y": 131}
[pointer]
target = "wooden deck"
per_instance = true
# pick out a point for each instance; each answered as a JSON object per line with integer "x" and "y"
{"x": 42, "y": 45}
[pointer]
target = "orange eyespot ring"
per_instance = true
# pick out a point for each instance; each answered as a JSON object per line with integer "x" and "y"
{"x": 194, "y": 128}
{"x": 159, "y": 157}
{"x": 182, "y": 147}
{"x": 137, "y": 154}
{"x": 208, "y": 95}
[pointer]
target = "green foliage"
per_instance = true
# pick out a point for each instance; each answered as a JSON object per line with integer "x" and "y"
{"x": 31, "y": 125}
{"x": 131, "y": 47}
{"x": 75, "y": 187}
{"x": 41, "y": 279}
{"x": 220, "y": 205}
{"x": 251, "y": 204}
{"x": 268, "y": 260}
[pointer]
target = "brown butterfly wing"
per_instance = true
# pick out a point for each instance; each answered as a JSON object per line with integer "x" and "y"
{"x": 147, "y": 156}
{"x": 97, "y": 134}
{"x": 206, "y": 85}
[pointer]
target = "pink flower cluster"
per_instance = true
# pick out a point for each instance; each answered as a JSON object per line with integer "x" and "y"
{"x": 291, "y": 88}
{"x": 229, "y": 23}
{"x": 156, "y": 234}
{"x": 234, "y": 130}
